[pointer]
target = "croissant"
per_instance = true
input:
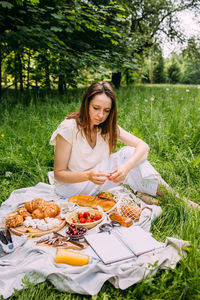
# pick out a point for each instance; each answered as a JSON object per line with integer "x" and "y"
{"x": 40, "y": 209}
{"x": 14, "y": 221}
{"x": 35, "y": 203}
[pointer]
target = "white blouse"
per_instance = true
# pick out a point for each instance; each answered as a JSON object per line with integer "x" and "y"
{"x": 83, "y": 156}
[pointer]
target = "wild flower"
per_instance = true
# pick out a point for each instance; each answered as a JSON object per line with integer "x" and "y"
{"x": 152, "y": 98}
{"x": 167, "y": 89}
{"x": 8, "y": 174}
{"x": 187, "y": 91}
{"x": 2, "y": 135}
{"x": 145, "y": 100}
{"x": 198, "y": 86}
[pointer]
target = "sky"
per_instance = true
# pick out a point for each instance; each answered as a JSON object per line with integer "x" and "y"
{"x": 190, "y": 25}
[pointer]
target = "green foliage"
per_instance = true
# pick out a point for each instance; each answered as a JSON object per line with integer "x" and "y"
{"x": 161, "y": 115}
{"x": 191, "y": 57}
{"x": 158, "y": 71}
{"x": 174, "y": 73}
{"x": 53, "y": 43}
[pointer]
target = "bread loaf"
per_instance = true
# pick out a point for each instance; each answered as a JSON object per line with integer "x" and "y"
{"x": 132, "y": 211}
{"x": 124, "y": 221}
{"x": 93, "y": 202}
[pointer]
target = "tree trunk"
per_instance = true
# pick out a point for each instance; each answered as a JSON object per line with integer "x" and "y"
{"x": 5, "y": 79}
{"x": 47, "y": 74}
{"x": 20, "y": 71}
{"x": 28, "y": 70}
{"x": 116, "y": 79}
{"x": 127, "y": 77}
{"x": 151, "y": 70}
{"x": 61, "y": 84}
{"x": 0, "y": 71}
{"x": 15, "y": 73}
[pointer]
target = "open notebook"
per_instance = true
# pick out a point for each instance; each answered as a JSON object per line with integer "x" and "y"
{"x": 122, "y": 243}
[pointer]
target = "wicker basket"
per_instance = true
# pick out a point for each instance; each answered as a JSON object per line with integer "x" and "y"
{"x": 72, "y": 215}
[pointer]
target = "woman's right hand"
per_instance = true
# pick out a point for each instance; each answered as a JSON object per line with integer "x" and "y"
{"x": 98, "y": 176}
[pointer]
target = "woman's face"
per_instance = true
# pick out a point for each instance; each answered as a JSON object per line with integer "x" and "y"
{"x": 99, "y": 109}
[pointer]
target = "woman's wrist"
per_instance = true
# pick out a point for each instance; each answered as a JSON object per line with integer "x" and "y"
{"x": 88, "y": 175}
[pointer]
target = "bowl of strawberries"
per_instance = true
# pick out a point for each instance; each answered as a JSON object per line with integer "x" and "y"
{"x": 87, "y": 218}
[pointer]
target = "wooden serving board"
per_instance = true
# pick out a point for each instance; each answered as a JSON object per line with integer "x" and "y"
{"x": 68, "y": 246}
{"x": 37, "y": 232}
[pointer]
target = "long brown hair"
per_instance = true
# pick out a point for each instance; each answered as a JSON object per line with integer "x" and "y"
{"x": 109, "y": 126}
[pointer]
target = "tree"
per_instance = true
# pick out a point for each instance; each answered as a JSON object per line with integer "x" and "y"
{"x": 148, "y": 18}
{"x": 191, "y": 57}
{"x": 158, "y": 72}
{"x": 174, "y": 73}
{"x": 73, "y": 34}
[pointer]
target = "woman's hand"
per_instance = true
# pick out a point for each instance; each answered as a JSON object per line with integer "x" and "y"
{"x": 118, "y": 174}
{"x": 98, "y": 176}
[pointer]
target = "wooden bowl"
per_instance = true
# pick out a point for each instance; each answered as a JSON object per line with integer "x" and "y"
{"x": 73, "y": 215}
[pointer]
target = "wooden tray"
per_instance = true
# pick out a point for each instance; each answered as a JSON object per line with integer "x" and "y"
{"x": 37, "y": 232}
{"x": 68, "y": 246}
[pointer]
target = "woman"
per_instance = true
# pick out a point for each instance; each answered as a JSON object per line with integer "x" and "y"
{"x": 84, "y": 142}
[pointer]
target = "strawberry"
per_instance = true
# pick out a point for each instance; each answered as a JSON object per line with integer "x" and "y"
{"x": 86, "y": 214}
{"x": 83, "y": 220}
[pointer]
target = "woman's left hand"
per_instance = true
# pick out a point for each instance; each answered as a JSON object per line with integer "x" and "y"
{"x": 119, "y": 174}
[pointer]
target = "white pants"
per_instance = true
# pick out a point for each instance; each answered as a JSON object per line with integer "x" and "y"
{"x": 143, "y": 178}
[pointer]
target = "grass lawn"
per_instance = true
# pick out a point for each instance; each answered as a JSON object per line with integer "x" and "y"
{"x": 168, "y": 119}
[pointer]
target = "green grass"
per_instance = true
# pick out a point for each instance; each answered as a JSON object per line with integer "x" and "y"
{"x": 168, "y": 119}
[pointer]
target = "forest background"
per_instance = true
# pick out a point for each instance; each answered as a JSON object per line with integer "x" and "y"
{"x": 49, "y": 52}
{"x": 66, "y": 44}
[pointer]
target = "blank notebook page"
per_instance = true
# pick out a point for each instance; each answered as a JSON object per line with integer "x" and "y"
{"x": 108, "y": 247}
{"x": 138, "y": 240}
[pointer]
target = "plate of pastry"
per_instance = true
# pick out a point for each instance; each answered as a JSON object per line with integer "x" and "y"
{"x": 37, "y": 217}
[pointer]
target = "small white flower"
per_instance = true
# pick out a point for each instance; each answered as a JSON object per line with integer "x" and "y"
{"x": 198, "y": 86}
{"x": 187, "y": 91}
{"x": 145, "y": 100}
{"x": 8, "y": 174}
{"x": 152, "y": 98}
{"x": 167, "y": 89}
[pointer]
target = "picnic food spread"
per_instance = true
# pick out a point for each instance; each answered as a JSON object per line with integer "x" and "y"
{"x": 132, "y": 211}
{"x": 37, "y": 217}
{"x": 41, "y": 217}
{"x": 36, "y": 209}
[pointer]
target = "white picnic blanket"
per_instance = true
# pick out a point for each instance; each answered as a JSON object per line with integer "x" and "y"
{"x": 37, "y": 262}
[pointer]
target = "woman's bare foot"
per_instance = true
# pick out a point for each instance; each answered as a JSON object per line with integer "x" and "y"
{"x": 147, "y": 198}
